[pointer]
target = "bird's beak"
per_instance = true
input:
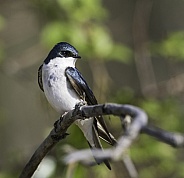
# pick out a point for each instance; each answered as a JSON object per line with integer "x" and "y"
{"x": 78, "y": 57}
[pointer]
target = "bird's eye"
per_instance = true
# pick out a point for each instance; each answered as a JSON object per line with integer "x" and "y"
{"x": 66, "y": 54}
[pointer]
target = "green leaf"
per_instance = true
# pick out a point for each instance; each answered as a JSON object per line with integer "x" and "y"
{"x": 172, "y": 46}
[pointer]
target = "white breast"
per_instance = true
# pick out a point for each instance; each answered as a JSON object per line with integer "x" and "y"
{"x": 60, "y": 94}
{"x": 57, "y": 90}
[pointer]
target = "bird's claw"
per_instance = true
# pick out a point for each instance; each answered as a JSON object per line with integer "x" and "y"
{"x": 57, "y": 124}
{"x": 80, "y": 104}
{"x": 77, "y": 111}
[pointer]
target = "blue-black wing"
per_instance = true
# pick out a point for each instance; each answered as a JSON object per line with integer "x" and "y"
{"x": 83, "y": 90}
{"x": 79, "y": 84}
{"x": 85, "y": 93}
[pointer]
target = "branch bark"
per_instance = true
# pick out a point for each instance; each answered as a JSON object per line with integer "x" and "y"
{"x": 137, "y": 125}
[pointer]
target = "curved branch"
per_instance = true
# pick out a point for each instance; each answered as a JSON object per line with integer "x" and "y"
{"x": 139, "y": 122}
{"x": 81, "y": 111}
{"x": 59, "y": 132}
{"x": 139, "y": 125}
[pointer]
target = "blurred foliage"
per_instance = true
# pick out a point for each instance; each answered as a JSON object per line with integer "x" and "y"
{"x": 81, "y": 23}
{"x": 2, "y": 23}
{"x": 171, "y": 47}
{"x": 151, "y": 157}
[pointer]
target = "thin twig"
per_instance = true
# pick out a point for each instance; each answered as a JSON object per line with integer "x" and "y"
{"x": 174, "y": 139}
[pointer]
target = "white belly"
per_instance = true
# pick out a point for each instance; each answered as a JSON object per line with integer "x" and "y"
{"x": 57, "y": 90}
{"x": 61, "y": 95}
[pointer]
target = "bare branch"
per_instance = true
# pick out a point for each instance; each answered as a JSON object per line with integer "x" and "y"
{"x": 139, "y": 122}
{"x": 51, "y": 140}
{"x": 170, "y": 138}
{"x": 137, "y": 125}
{"x": 59, "y": 132}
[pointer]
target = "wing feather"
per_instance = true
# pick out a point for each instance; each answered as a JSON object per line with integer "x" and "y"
{"x": 80, "y": 85}
{"x": 82, "y": 89}
{"x": 85, "y": 93}
{"x": 40, "y": 78}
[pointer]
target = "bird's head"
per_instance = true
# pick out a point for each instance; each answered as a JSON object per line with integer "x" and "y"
{"x": 62, "y": 50}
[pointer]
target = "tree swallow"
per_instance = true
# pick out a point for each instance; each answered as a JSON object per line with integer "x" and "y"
{"x": 64, "y": 87}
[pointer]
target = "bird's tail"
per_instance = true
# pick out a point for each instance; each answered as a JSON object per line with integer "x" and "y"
{"x": 97, "y": 145}
{"x": 106, "y": 135}
{"x": 92, "y": 132}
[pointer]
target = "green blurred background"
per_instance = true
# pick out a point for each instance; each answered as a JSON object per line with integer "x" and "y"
{"x": 132, "y": 52}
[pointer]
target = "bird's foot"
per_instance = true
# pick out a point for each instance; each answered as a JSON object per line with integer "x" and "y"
{"x": 57, "y": 124}
{"x": 57, "y": 137}
{"x": 77, "y": 112}
{"x": 80, "y": 104}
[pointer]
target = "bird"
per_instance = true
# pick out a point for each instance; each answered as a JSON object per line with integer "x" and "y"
{"x": 64, "y": 87}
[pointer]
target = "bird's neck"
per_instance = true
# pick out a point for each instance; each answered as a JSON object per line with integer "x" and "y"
{"x": 64, "y": 62}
